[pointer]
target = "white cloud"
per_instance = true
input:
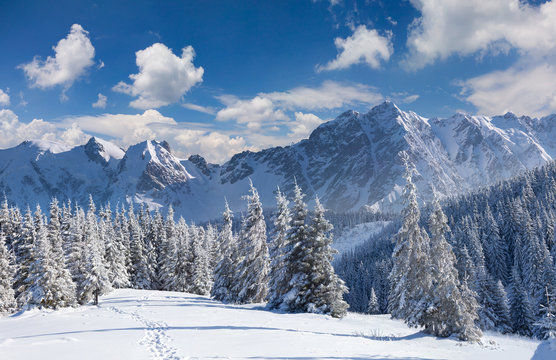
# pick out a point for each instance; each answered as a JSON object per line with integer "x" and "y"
{"x": 254, "y": 113}
{"x": 4, "y": 98}
{"x": 266, "y": 110}
{"x": 163, "y": 77}
{"x": 330, "y": 95}
{"x": 73, "y": 56}
{"x": 13, "y": 132}
{"x": 365, "y": 46}
{"x": 449, "y": 27}
{"x": 303, "y": 125}
{"x": 524, "y": 90}
{"x": 204, "y": 109}
{"x": 185, "y": 138}
{"x": 101, "y": 102}
{"x": 404, "y": 97}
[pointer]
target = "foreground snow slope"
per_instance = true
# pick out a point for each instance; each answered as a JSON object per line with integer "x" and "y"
{"x": 139, "y": 324}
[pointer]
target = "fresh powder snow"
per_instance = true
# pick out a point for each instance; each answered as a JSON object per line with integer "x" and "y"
{"x": 145, "y": 324}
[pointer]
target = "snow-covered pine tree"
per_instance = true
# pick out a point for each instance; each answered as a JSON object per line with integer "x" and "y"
{"x": 495, "y": 247}
{"x": 23, "y": 249}
{"x": 64, "y": 289}
{"x": 115, "y": 255}
{"x": 373, "y": 307}
{"x": 40, "y": 283}
{"x": 181, "y": 276}
{"x": 7, "y": 271}
{"x": 502, "y": 309}
{"x": 95, "y": 280}
{"x": 297, "y": 273}
{"x": 326, "y": 290}
{"x": 139, "y": 274}
{"x": 224, "y": 273}
{"x": 168, "y": 253}
{"x": 252, "y": 280}
{"x": 447, "y": 309}
{"x": 279, "y": 243}
{"x": 201, "y": 279}
{"x": 546, "y": 325}
{"x": 410, "y": 276}
{"x": 520, "y": 306}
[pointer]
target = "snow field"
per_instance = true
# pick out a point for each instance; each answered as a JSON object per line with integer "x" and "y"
{"x": 144, "y": 324}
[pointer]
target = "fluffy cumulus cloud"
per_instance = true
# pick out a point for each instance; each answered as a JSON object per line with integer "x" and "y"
{"x": 73, "y": 56}
{"x": 449, "y": 27}
{"x": 524, "y": 90}
{"x": 163, "y": 77}
{"x": 4, "y": 98}
{"x": 254, "y": 113}
{"x": 185, "y": 138}
{"x": 13, "y": 132}
{"x": 267, "y": 110}
{"x": 101, "y": 102}
{"x": 303, "y": 125}
{"x": 365, "y": 46}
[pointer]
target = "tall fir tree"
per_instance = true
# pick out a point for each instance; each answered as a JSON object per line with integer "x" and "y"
{"x": 452, "y": 311}
{"x": 64, "y": 288}
{"x": 95, "y": 280}
{"x": 410, "y": 276}
{"x": 225, "y": 271}
{"x": 326, "y": 288}
{"x": 7, "y": 271}
{"x": 252, "y": 279}
{"x": 279, "y": 243}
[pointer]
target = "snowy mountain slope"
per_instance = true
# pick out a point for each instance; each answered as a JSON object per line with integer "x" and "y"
{"x": 350, "y": 163}
{"x": 140, "y": 324}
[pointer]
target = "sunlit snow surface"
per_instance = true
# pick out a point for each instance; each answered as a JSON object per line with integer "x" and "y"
{"x": 139, "y": 324}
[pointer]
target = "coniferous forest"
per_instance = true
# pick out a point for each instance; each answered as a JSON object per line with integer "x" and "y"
{"x": 483, "y": 261}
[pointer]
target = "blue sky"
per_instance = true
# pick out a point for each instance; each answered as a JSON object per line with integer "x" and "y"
{"x": 219, "y": 77}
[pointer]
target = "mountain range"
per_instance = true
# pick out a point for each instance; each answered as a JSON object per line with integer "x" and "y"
{"x": 351, "y": 163}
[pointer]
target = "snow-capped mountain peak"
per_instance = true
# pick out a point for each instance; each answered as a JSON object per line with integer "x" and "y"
{"x": 350, "y": 162}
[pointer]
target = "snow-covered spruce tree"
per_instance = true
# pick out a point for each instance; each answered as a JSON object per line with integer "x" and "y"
{"x": 201, "y": 279}
{"x": 252, "y": 280}
{"x": 502, "y": 309}
{"x": 139, "y": 274}
{"x": 326, "y": 288}
{"x": 40, "y": 283}
{"x": 181, "y": 276}
{"x": 451, "y": 309}
{"x": 95, "y": 280}
{"x": 115, "y": 254}
{"x": 495, "y": 247}
{"x": 23, "y": 249}
{"x": 545, "y": 327}
{"x": 296, "y": 276}
{"x": 373, "y": 307}
{"x": 168, "y": 253}
{"x": 64, "y": 289}
{"x": 224, "y": 273}
{"x": 279, "y": 242}
{"x": 410, "y": 277}
{"x": 520, "y": 306}
{"x": 7, "y": 271}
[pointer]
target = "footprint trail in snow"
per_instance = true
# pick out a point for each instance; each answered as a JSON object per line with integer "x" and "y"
{"x": 156, "y": 339}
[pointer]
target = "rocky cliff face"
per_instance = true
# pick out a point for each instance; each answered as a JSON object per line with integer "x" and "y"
{"x": 351, "y": 163}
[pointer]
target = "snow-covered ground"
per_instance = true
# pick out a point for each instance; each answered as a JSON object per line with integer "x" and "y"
{"x": 351, "y": 237}
{"x": 140, "y": 324}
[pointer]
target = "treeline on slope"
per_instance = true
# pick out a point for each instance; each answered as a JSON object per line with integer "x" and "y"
{"x": 74, "y": 255}
{"x": 503, "y": 240}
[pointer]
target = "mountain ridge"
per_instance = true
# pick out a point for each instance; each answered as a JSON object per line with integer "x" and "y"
{"x": 350, "y": 162}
